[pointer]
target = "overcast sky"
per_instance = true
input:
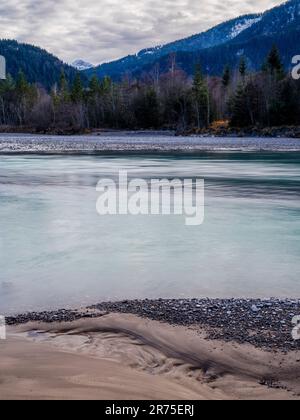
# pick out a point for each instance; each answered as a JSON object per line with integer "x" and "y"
{"x": 102, "y": 30}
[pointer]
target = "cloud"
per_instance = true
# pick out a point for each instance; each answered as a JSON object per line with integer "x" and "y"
{"x": 103, "y": 30}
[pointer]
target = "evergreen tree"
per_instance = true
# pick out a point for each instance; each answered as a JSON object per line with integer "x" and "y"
{"x": 94, "y": 85}
{"x": 26, "y": 95}
{"x": 7, "y": 85}
{"x": 274, "y": 64}
{"x": 77, "y": 90}
{"x": 22, "y": 85}
{"x": 243, "y": 67}
{"x": 147, "y": 110}
{"x": 238, "y": 108}
{"x": 284, "y": 109}
{"x": 63, "y": 87}
{"x": 245, "y": 106}
{"x": 106, "y": 85}
{"x": 226, "y": 77}
{"x": 200, "y": 98}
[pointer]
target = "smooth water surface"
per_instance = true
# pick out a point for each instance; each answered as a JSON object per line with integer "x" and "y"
{"x": 56, "y": 251}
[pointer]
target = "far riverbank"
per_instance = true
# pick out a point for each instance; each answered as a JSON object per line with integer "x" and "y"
{"x": 149, "y": 142}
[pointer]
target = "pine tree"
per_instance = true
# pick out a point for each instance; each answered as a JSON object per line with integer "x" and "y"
{"x": 274, "y": 64}
{"x": 284, "y": 108}
{"x": 77, "y": 89}
{"x": 245, "y": 105}
{"x": 22, "y": 85}
{"x": 7, "y": 85}
{"x": 243, "y": 67}
{"x": 147, "y": 110}
{"x": 94, "y": 85}
{"x": 226, "y": 77}
{"x": 200, "y": 97}
{"x": 63, "y": 87}
{"x": 106, "y": 85}
{"x": 152, "y": 104}
{"x": 238, "y": 108}
{"x": 26, "y": 97}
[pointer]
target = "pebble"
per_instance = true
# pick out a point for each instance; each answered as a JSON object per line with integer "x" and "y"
{"x": 228, "y": 319}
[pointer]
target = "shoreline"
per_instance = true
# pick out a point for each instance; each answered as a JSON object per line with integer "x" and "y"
{"x": 266, "y": 324}
{"x": 142, "y": 142}
{"x": 220, "y": 131}
{"x": 125, "y": 357}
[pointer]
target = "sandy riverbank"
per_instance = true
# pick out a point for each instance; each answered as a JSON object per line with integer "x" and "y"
{"x": 122, "y": 356}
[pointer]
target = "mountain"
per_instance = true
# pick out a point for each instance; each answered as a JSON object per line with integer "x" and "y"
{"x": 81, "y": 65}
{"x": 249, "y": 35}
{"x": 37, "y": 64}
{"x": 215, "y": 36}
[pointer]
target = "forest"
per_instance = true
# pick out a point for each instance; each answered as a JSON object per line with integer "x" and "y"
{"x": 170, "y": 100}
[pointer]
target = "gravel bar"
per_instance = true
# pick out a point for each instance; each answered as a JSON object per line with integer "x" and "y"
{"x": 140, "y": 143}
{"x": 265, "y": 324}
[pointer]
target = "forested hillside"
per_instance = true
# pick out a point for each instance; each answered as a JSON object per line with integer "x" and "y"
{"x": 37, "y": 64}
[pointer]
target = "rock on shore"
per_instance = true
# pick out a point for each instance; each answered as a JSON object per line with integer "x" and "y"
{"x": 263, "y": 323}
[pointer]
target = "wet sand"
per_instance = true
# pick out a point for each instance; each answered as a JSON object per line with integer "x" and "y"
{"x": 266, "y": 324}
{"x": 122, "y": 356}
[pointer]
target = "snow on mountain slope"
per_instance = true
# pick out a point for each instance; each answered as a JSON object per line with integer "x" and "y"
{"x": 242, "y": 26}
{"x": 81, "y": 65}
{"x": 280, "y": 19}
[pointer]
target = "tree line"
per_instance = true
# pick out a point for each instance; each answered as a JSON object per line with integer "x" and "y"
{"x": 269, "y": 97}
